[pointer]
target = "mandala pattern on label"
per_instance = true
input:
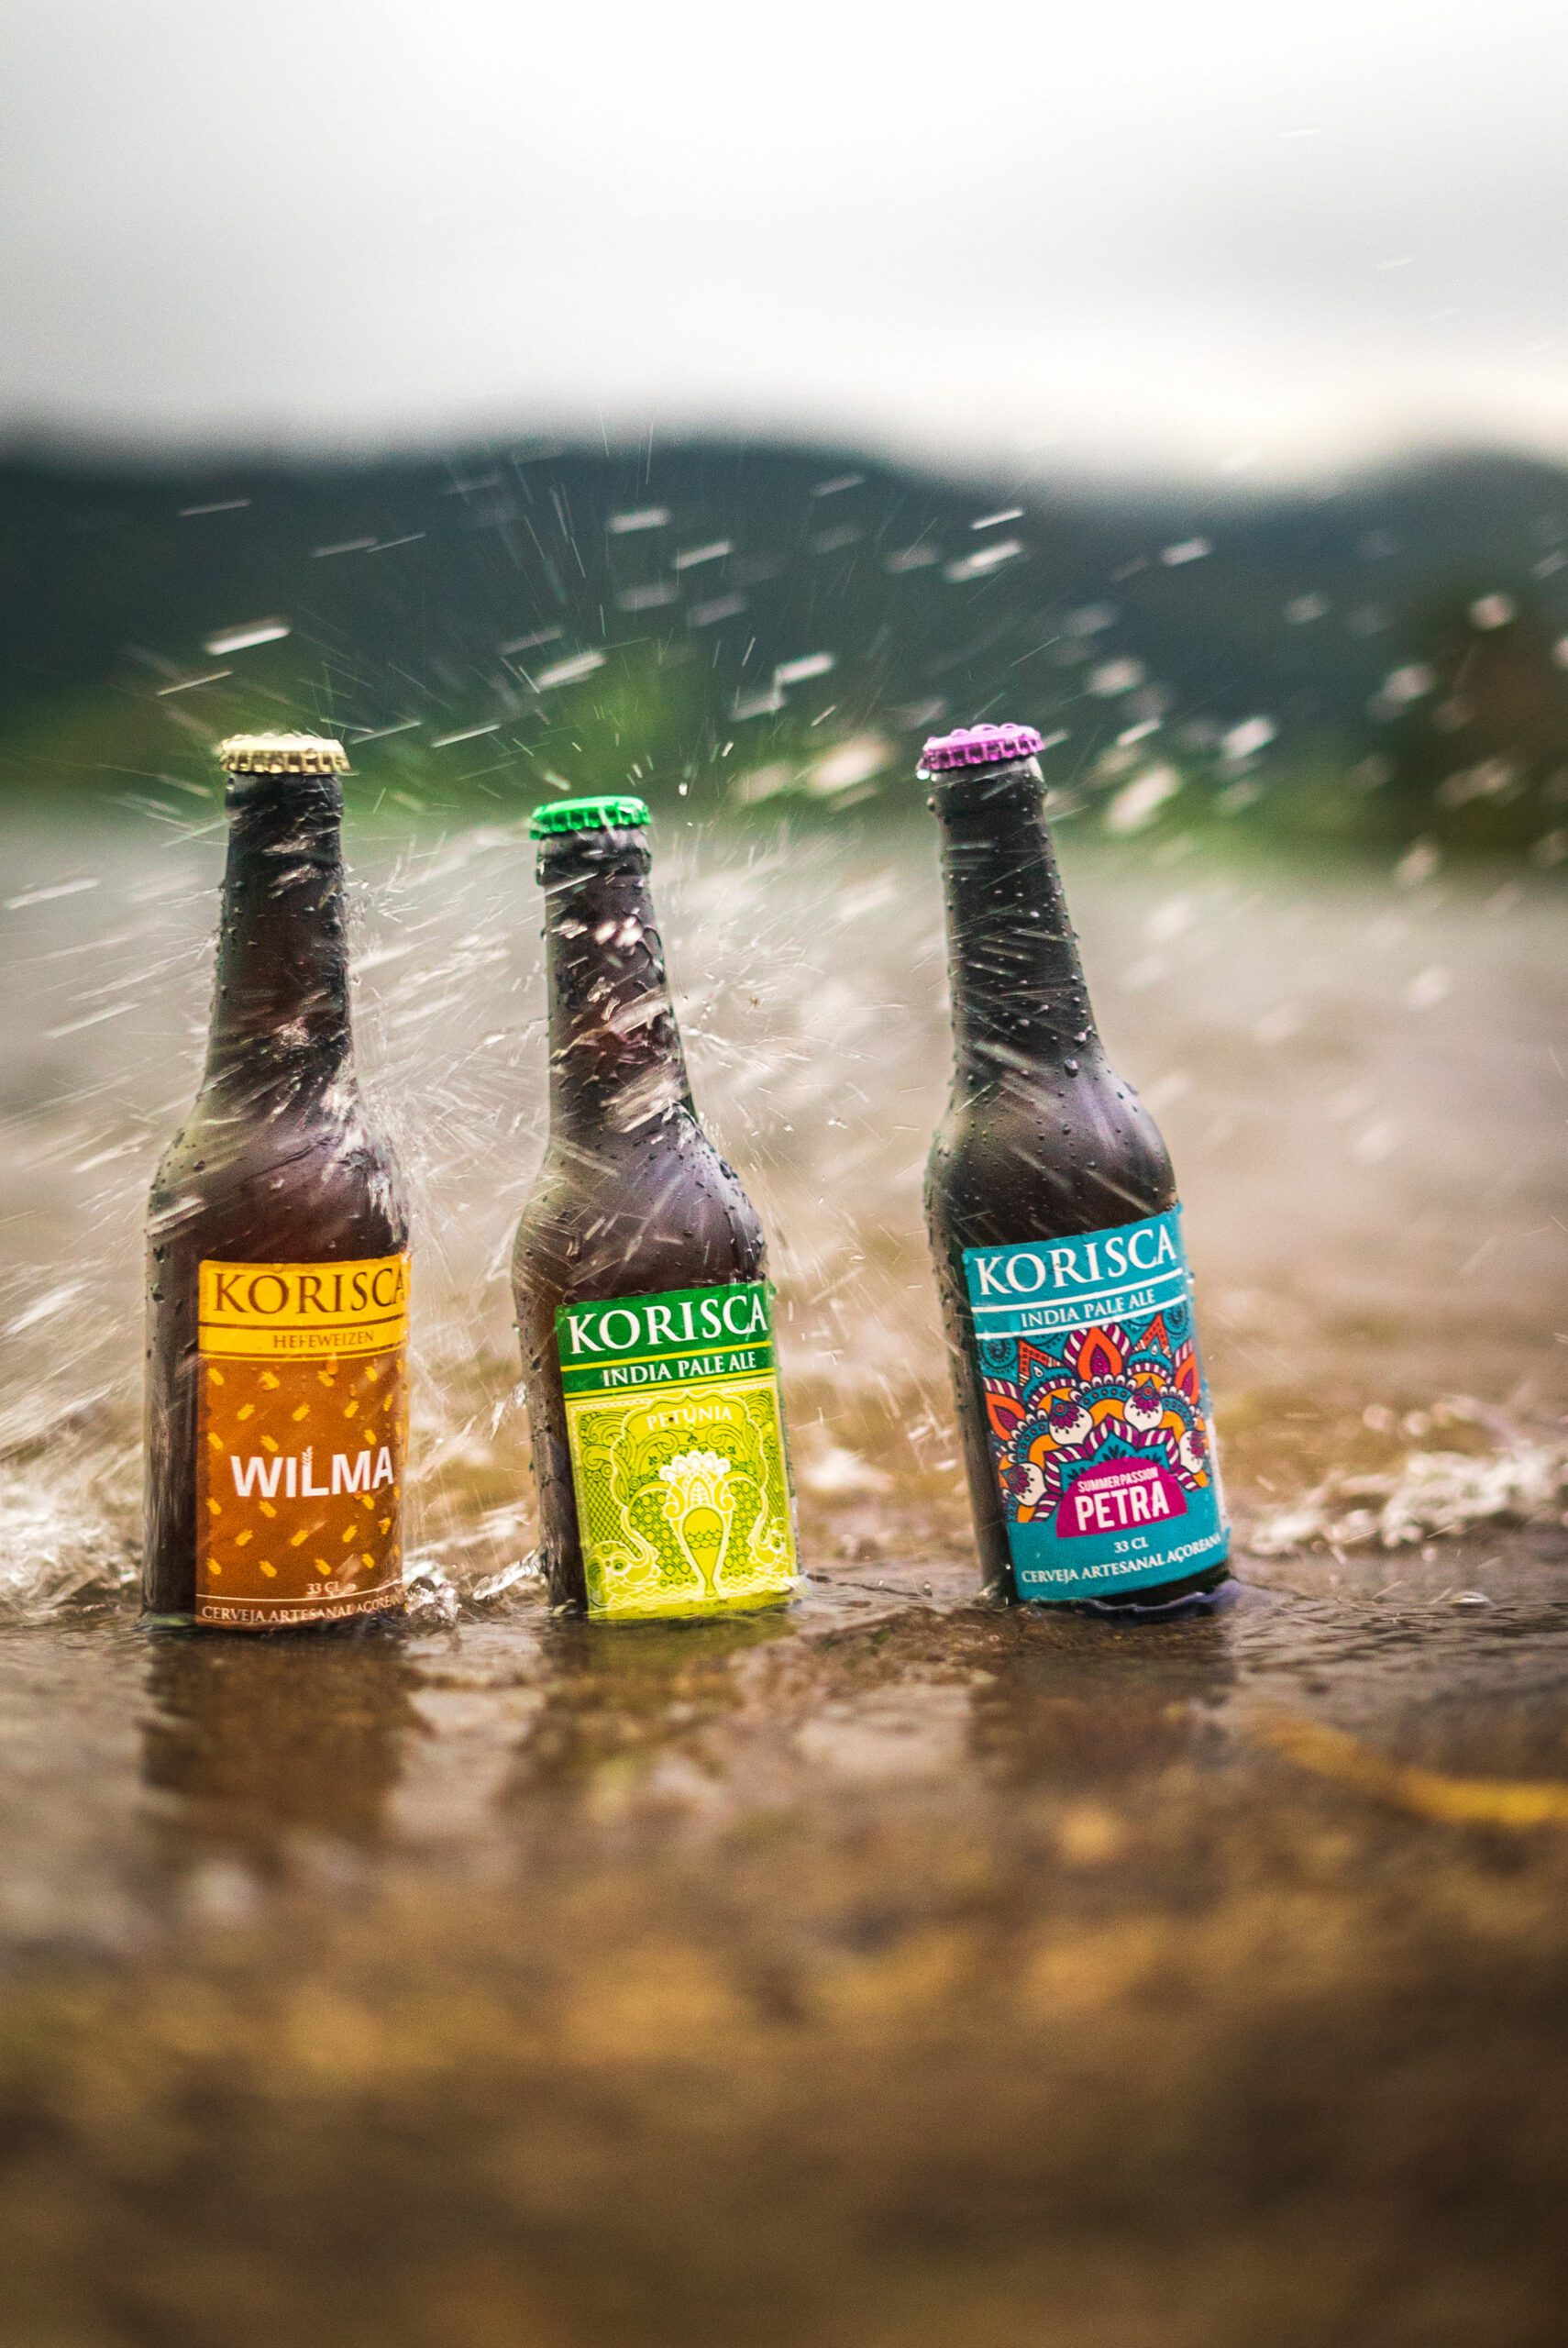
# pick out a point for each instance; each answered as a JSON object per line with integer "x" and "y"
{"x": 1092, "y": 1398}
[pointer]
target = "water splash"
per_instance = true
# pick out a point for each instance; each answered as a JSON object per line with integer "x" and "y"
{"x": 1522, "y": 1479}
{"x": 808, "y": 973}
{"x": 69, "y": 1537}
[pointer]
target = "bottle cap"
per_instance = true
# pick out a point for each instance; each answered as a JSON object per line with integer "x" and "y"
{"x": 282, "y": 754}
{"x": 610, "y": 814}
{"x": 979, "y": 745}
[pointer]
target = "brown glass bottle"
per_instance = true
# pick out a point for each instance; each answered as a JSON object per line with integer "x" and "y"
{"x": 1055, "y": 1229}
{"x": 640, "y": 1276}
{"x": 277, "y": 1253}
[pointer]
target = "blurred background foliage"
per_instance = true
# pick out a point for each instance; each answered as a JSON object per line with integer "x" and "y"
{"x": 1378, "y": 664}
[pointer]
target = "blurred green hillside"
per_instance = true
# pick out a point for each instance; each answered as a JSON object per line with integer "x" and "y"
{"x": 746, "y": 625}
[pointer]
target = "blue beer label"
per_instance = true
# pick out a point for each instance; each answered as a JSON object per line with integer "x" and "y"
{"x": 1097, "y": 1412}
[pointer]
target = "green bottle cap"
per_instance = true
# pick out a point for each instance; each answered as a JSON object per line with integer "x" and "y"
{"x": 586, "y": 816}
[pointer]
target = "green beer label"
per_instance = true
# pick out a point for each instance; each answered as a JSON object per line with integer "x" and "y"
{"x": 678, "y": 1452}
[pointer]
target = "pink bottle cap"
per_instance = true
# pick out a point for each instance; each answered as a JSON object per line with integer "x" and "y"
{"x": 979, "y": 745}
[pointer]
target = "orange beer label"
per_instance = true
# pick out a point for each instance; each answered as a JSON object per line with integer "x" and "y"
{"x": 302, "y": 1443}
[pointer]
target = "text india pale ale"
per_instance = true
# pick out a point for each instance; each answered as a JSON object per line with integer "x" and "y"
{"x": 1057, "y": 1235}
{"x": 640, "y": 1276}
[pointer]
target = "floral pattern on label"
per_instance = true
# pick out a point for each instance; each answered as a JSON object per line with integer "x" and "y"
{"x": 677, "y": 1439}
{"x": 1097, "y": 1414}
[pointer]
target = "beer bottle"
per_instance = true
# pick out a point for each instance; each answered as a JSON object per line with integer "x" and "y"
{"x": 278, "y": 1253}
{"x": 640, "y": 1274}
{"x": 1054, "y": 1221}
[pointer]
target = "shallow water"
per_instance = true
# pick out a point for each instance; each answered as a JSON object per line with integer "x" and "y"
{"x": 894, "y": 1969}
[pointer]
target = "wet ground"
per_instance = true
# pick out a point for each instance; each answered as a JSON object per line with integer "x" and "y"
{"x": 894, "y": 1970}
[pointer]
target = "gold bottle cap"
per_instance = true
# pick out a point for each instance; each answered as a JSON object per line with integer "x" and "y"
{"x": 282, "y": 754}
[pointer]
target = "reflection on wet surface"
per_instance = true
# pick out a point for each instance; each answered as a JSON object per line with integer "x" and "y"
{"x": 897, "y": 1969}
{"x": 903, "y": 1968}
{"x": 250, "y": 1744}
{"x": 469, "y": 1749}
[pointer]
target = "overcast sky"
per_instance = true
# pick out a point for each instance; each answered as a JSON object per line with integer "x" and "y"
{"x": 1224, "y": 235}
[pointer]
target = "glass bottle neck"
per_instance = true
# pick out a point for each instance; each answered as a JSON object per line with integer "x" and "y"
{"x": 280, "y": 1023}
{"x": 616, "y": 1063}
{"x": 1019, "y": 1005}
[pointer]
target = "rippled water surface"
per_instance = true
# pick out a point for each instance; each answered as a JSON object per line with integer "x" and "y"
{"x": 898, "y": 1969}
